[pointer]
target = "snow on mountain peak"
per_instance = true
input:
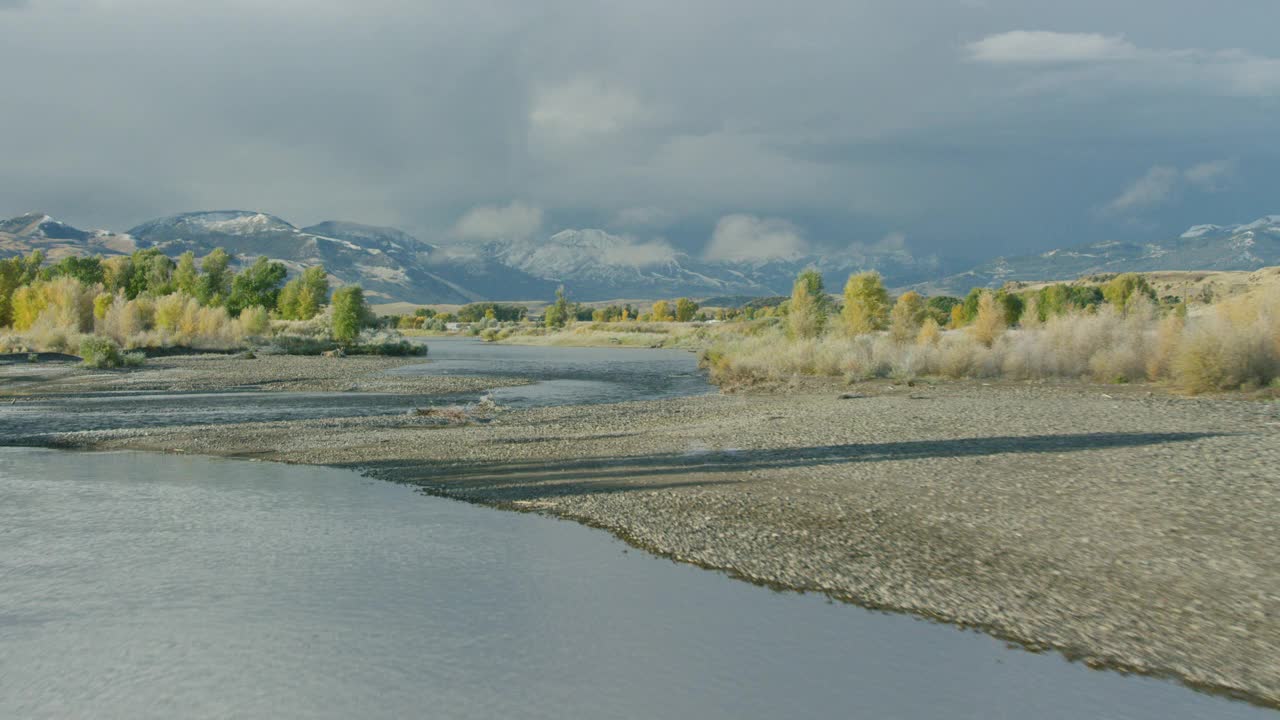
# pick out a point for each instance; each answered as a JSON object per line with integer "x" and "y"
{"x": 589, "y": 250}
{"x": 1200, "y": 231}
{"x": 1269, "y": 222}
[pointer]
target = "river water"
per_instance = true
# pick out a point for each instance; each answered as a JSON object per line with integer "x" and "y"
{"x": 155, "y": 586}
{"x": 563, "y": 375}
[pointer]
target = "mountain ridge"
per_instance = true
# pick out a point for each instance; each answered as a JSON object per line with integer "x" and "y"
{"x": 594, "y": 265}
{"x": 1246, "y": 246}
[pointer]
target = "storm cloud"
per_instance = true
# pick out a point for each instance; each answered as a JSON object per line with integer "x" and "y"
{"x": 724, "y": 127}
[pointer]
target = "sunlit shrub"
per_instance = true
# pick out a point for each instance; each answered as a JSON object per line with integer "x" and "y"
{"x": 1233, "y": 345}
{"x": 100, "y": 352}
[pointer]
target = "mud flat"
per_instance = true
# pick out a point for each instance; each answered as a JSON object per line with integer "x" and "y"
{"x": 1122, "y": 526}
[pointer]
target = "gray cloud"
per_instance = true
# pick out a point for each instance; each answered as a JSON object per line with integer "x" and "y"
{"x": 846, "y": 121}
{"x": 1039, "y": 46}
{"x": 1218, "y": 72}
{"x": 1162, "y": 182}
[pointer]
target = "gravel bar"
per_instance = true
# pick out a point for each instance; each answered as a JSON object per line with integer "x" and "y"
{"x": 1122, "y": 526}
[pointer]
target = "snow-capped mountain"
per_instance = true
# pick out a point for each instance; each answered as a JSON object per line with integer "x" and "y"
{"x": 56, "y": 239}
{"x": 596, "y": 265}
{"x": 390, "y": 264}
{"x": 1203, "y": 247}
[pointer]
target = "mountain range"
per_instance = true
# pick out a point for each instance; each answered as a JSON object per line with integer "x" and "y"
{"x": 595, "y": 265}
{"x": 1204, "y": 247}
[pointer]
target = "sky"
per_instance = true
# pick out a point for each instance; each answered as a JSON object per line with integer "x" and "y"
{"x": 724, "y": 128}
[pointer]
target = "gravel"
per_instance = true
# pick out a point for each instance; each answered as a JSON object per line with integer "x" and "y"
{"x": 213, "y": 373}
{"x": 1122, "y": 526}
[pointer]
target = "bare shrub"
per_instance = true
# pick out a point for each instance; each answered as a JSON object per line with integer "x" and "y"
{"x": 1233, "y": 345}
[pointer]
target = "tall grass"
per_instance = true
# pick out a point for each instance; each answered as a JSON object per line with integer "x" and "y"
{"x": 1230, "y": 346}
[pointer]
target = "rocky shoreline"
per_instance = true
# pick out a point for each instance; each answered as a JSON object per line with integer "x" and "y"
{"x": 1123, "y": 527}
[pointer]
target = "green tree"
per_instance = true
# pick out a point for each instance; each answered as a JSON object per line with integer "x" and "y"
{"x": 1123, "y": 288}
{"x": 807, "y": 314}
{"x": 258, "y": 284}
{"x": 149, "y": 272}
{"x": 685, "y": 309}
{"x": 10, "y": 281}
{"x": 31, "y": 266}
{"x": 159, "y": 274}
{"x": 287, "y": 300}
{"x": 349, "y": 313}
{"x": 971, "y": 302}
{"x": 302, "y": 297}
{"x": 503, "y": 312}
{"x": 1012, "y": 304}
{"x": 866, "y": 304}
{"x": 186, "y": 277}
{"x": 315, "y": 292}
{"x": 88, "y": 270}
{"x": 558, "y": 313}
{"x": 939, "y": 307}
{"x": 308, "y": 303}
{"x": 215, "y": 282}
{"x": 117, "y": 273}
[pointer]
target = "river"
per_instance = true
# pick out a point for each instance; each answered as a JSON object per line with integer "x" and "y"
{"x": 157, "y": 586}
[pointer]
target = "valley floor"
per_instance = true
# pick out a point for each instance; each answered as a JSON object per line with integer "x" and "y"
{"x": 1124, "y": 527}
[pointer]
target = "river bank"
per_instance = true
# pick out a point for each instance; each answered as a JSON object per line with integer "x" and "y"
{"x": 224, "y": 372}
{"x": 1122, "y": 526}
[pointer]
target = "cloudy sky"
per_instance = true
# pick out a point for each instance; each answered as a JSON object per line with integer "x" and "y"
{"x": 727, "y": 127}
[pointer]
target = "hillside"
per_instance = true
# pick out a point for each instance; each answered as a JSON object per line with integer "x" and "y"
{"x": 38, "y": 231}
{"x": 390, "y": 264}
{"x": 1204, "y": 248}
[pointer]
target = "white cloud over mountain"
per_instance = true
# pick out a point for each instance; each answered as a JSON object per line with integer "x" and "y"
{"x": 747, "y": 238}
{"x": 514, "y": 221}
{"x": 1162, "y": 182}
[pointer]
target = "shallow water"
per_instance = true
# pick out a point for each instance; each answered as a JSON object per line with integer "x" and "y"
{"x": 563, "y": 376}
{"x": 154, "y": 586}
{"x": 568, "y": 375}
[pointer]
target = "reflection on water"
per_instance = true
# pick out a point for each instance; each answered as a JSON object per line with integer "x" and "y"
{"x": 150, "y": 586}
{"x": 568, "y": 375}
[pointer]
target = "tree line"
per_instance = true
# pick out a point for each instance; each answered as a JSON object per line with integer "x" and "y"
{"x": 30, "y": 287}
{"x": 867, "y": 307}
